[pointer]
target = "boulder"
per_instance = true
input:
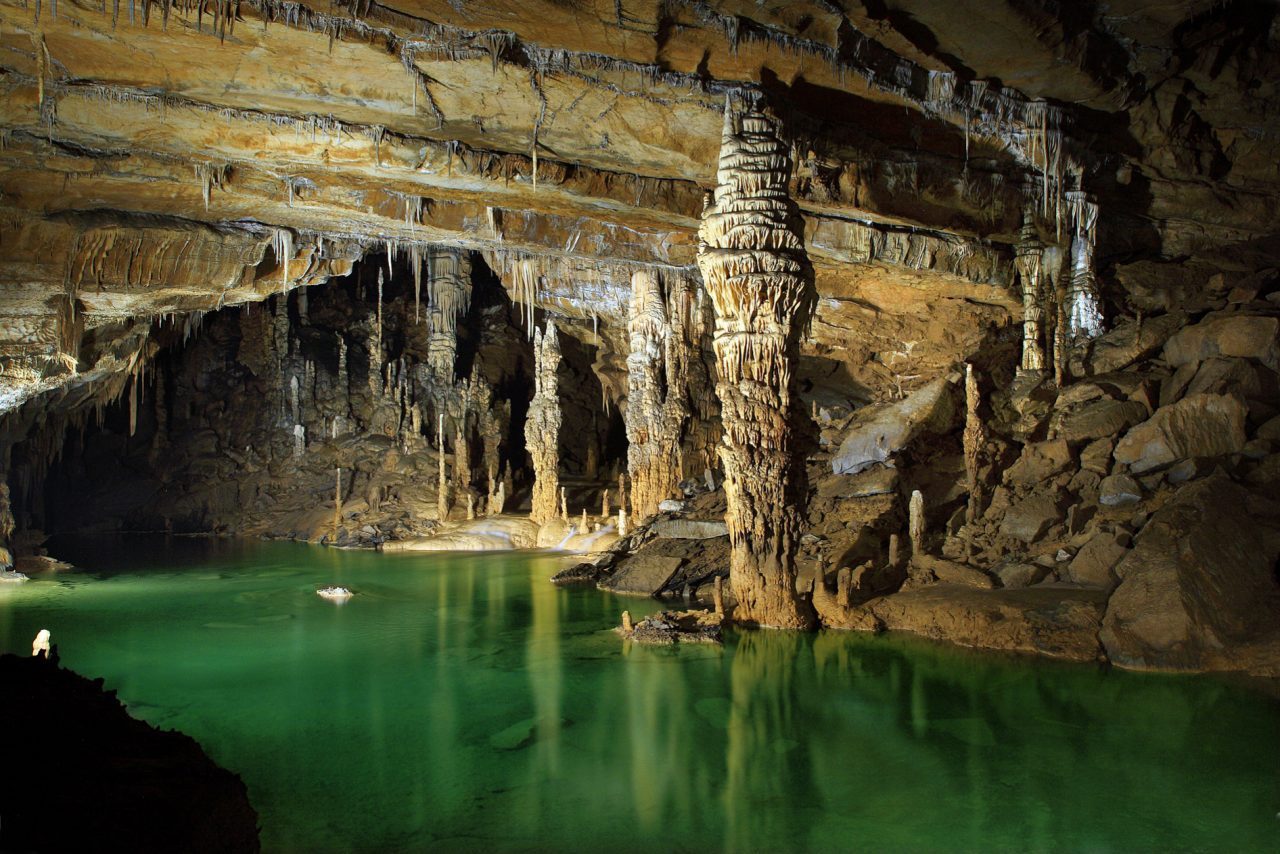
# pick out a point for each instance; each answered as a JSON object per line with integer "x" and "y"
{"x": 877, "y": 432}
{"x": 670, "y": 505}
{"x": 687, "y": 529}
{"x": 1270, "y": 430}
{"x": 1028, "y": 520}
{"x": 1117, "y": 490}
{"x": 642, "y": 575}
{"x": 1244, "y": 336}
{"x": 1201, "y": 577}
{"x": 1038, "y": 462}
{"x": 1128, "y": 342}
{"x": 1185, "y": 470}
{"x": 1097, "y": 419}
{"x": 1202, "y": 425}
{"x": 950, "y": 572}
{"x": 1096, "y": 456}
{"x": 1094, "y": 563}
{"x": 1226, "y": 376}
{"x": 1014, "y": 575}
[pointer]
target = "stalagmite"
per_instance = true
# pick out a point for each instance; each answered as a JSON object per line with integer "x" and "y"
{"x": 757, "y": 273}
{"x": 974, "y": 439}
{"x": 294, "y": 406}
{"x": 542, "y": 425}
{"x": 622, "y": 522}
{"x": 1029, "y": 262}
{"x": 626, "y": 621}
{"x": 299, "y": 440}
{"x": 844, "y": 580}
{"x": 622, "y": 490}
{"x": 501, "y": 499}
{"x": 895, "y": 551}
{"x": 717, "y": 593}
{"x": 582, "y": 525}
{"x": 471, "y": 506}
{"x": 442, "y": 487}
{"x": 657, "y": 408}
{"x": 337, "y": 503}
{"x": 605, "y": 511}
{"x": 915, "y": 523}
{"x": 1083, "y": 305}
{"x": 564, "y": 506}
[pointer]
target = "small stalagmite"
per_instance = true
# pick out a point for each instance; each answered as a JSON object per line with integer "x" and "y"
{"x": 915, "y": 523}
{"x": 564, "y": 506}
{"x": 542, "y": 425}
{"x": 974, "y": 439}
{"x": 895, "y": 551}
{"x": 752, "y": 257}
{"x": 622, "y": 522}
{"x": 605, "y": 511}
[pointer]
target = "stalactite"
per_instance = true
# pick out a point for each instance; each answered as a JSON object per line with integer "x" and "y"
{"x": 542, "y": 425}
{"x": 448, "y": 298}
{"x": 757, "y": 273}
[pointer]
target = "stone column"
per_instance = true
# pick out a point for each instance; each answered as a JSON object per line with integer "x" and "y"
{"x": 1083, "y": 307}
{"x": 542, "y": 427}
{"x": 1027, "y": 260}
{"x": 975, "y": 437}
{"x": 656, "y": 407}
{"x": 760, "y": 281}
{"x": 448, "y": 297}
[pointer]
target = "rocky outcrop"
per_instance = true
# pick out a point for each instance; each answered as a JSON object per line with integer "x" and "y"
{"x": 1201, "y": 425}
{"x": 1200, "y": 580}
{"x": 760, "y": 282}
{"x": 91, "y": 772}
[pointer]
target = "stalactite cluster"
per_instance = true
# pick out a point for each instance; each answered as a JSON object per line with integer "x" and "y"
{"x": 758, "y": 276}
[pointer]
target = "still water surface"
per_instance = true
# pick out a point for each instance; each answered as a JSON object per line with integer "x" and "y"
{"x": 461, "y": 702}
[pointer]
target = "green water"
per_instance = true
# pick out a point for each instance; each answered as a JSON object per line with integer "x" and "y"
{"x": 464, "y": 703}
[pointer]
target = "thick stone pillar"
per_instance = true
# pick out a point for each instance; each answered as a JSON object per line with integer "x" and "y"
{"x": 760, "y": 281}
{"x": 542, "y": 427}
{"x": 656, "y": 405}
{"x": 1028, "y": 261}
{"x": 448, "y": 297}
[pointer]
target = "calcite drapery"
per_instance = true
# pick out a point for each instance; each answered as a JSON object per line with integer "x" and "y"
{"x": 448, "y": 296}
{"x": 542, "y": 426}
{"x": 757, "y": 273}
{"x": 1083, "y": 307}
{"x": 657, "y": 407}
{"x": 1029, "y": 262}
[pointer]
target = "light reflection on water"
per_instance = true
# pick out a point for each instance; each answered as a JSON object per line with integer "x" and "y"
{"x": 462, "y": 702}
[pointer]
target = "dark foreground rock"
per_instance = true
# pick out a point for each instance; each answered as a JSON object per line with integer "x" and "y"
{"x": 82, "y": 775}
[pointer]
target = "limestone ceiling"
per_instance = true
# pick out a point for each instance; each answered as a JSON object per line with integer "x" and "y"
{"x": 580, "y": 137}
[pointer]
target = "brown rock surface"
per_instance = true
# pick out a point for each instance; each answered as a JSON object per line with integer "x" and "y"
{"x": 1199, "y": 581}
{"x": 1204, "y": 425}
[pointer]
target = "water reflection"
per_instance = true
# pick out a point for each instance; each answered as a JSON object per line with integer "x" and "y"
{"x": 464, "y": 702}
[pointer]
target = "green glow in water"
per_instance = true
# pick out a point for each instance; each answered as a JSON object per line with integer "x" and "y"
{"x": 463, "y": 702}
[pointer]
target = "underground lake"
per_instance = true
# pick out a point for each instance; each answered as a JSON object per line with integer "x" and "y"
{"x": 462, "y": 702}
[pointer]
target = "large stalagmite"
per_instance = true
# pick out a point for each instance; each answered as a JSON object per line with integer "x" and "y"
{"x": 542, "y": 427}
{"x": 657, "y": 406}
{"x": 760, "y": 281}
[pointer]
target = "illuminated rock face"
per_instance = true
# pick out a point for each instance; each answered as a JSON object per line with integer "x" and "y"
{"x": 542, "y": 428}
{"x": 758, "y": 276}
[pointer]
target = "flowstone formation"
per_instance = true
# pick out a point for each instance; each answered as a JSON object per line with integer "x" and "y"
{"x": 542, "y": 428}
{"x": 753, "y": 261}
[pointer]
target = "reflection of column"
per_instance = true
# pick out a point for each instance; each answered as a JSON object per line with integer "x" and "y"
{"x": 764, "y": 762}
{"x": 546, "y": 679}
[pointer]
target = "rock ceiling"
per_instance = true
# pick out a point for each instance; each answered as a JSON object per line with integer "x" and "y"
{"x": 161, "y": 160}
